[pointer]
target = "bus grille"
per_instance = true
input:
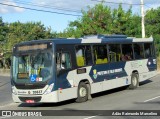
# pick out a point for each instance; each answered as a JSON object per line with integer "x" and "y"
{"x": 23, "y": 86}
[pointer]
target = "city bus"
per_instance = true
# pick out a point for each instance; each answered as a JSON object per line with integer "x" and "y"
{"x": 55, "y": 70}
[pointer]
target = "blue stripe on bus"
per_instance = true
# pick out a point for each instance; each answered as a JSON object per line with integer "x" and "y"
{"x": 107, "y": 71}
{"x": 62, "y": 82}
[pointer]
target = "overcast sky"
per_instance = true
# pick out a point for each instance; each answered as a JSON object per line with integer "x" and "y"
{"x": 58, "y": 22}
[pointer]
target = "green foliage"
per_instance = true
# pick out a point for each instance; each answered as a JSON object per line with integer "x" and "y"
{"x": 19, "y": 32}
{"x": 13, "y": 33}
{"x": 3, "y": 32}
{"x": 100, "y": 19}
{"x": 152, "y": 19}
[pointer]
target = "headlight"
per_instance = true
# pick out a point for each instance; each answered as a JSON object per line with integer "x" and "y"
{"x": 49, "y": 89}
{"x": 13, "y": 91}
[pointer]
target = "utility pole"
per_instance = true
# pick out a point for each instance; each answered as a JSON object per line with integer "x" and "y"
{"x": 142, "y": 20}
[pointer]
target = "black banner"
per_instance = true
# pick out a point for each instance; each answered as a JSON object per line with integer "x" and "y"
{"x": 9, "y": 113}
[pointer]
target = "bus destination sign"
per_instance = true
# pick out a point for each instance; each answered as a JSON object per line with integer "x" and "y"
{"x": 32, "y": 47}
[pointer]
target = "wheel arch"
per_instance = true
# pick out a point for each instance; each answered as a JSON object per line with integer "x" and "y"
{"x": 86, "y": 81}
{"x": 135, "y": 72}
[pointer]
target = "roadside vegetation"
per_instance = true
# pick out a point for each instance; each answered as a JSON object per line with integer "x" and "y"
{"x": 99, "y": 19}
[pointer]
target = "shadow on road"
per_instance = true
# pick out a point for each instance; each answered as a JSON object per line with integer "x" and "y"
{"x": 47, "y": 104}
{"x": 145, "y": 82}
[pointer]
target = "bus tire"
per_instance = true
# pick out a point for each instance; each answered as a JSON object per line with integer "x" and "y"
{"x": 82, "y": 93}
{"x": 134, "y": 81}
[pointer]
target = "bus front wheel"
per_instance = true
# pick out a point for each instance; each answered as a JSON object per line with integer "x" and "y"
{"x": 82, "y": 93}
{"x": 134, "y": 81}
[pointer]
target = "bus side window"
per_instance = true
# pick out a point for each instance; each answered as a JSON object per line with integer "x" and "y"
{"x": 83, "y": 55}
{"x": 58, "y": 60}
{"x": 147, "y": 50}
{"x": 138, "y": 51}
{"x": 88, "y": 55}
{"x": 100, "y": 54}
{"x": 63, "y": 61}
{"x": 127, "y": 52}
{"x": 114, "y": 52}
{"x": 80, "y": 57}
{"x": 66, "y": 61}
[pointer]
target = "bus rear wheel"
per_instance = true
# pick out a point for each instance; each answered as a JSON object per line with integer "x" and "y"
{"x": 134, "y": 81}
{"x": 82, "y": 93}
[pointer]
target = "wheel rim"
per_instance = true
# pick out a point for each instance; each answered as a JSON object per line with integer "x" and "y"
{"x": 82, "y": 92}
{"x": 134, "y": 81}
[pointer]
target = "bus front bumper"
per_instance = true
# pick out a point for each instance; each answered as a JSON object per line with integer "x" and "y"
{"x": 47, "y": 98}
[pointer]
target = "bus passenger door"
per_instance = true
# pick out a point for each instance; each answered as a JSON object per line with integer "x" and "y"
{"x": 64, "y": 86}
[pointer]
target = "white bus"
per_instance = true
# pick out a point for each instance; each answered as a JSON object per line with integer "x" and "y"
{"x": 61, "y": 69}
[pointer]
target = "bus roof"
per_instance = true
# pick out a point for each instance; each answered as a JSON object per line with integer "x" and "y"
{"x": 92, "y": 39}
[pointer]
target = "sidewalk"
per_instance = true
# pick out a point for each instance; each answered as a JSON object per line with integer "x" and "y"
{"x": 4, "y": 72}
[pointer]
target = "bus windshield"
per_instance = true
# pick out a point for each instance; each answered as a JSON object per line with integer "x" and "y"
{"x": 32, "y": 67}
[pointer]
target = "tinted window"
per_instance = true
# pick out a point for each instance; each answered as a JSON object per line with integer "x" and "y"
{"x": 138, "y": 51}
{"x": 114, "y": 52}
{"x": 127, "y": 52}
{"x": 147, "y": 50}
{"x": 100, "y": 54}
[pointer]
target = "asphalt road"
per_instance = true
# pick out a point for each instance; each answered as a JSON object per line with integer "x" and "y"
{"x": 5, "y": 91}
{"x": 145, "y": 97}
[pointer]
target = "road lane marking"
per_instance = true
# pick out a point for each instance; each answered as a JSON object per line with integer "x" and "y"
{"x": 152, "y": 99}
{"x": 92, "y": 116}
{"x": 5, "y": 117}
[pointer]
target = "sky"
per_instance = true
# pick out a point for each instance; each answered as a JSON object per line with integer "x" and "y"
{"x": 58, "y": 13}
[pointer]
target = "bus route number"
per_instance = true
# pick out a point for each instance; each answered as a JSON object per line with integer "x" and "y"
{"x": 37, "y": 92}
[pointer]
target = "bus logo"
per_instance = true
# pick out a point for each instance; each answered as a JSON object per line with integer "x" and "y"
{"x": 94, "y": 73}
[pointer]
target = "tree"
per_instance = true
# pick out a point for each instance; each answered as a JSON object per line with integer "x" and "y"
{"x": 19, "y": 32}
{"x": 3, "y": 32}
{"x": 95, "y": 20}
{"x": 3, "y": 36}
{"x": 152, "y": 22}
{"x": 100, "y": 19}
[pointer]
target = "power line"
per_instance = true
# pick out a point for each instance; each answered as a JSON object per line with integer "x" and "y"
{"x": 114, "y": 2}
{"x": 38, "y": 9}
{"x": 148, "y": 6}
{"x": 47, "y": 6}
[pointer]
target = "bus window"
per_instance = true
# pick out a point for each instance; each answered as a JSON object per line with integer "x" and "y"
{"x": 147, "y": 49}
{"x": 127, "y": 52}
{"x": 138, "y": 51}
{"x": 88, "y": 55}
{"x": 100, "y": 54}
{"x": 63, "y": 61}
{"x": 37, "y": 65}
{"x": 83, "y": 55}
{"x": 114, "y": 52}
{"x": 58, "y": 61}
